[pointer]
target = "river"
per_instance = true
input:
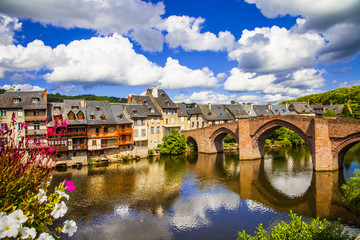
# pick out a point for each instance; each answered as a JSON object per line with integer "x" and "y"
{"x": 204, "y": 196}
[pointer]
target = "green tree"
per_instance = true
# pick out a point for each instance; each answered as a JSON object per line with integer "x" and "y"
{"x": 174, "y": 143}
{"x": 352, "y": 193}
{"x": 329, "y": 113}
{"x": 299, "y": 230}
{"x": 346, "y": 112}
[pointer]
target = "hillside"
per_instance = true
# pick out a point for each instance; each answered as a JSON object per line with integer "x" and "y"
{"x": 337, "y": 96}
{"x": 60, "y": 98}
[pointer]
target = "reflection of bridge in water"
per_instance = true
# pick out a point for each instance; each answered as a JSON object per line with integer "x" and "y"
{"x": 328, "y": 139}
{"x": 321, "y": 197}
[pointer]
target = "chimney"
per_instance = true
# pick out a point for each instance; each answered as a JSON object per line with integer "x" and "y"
{"x": 250, "y": 105}
{"x": 286, "y": 105}
{"x": 177, "y": 104}
{"x": 155, "y": 92}
{"x": 140, "y": 101}
{"x": 82, "y": 103}
{"x": 45, "y": 93}
{"x": 269, "y": 106}
{"x": 209, "y": 106}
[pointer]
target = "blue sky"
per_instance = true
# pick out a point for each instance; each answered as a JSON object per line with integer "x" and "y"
{"x": 263, "y": 51}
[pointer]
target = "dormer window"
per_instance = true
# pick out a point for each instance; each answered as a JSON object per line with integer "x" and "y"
{"x": 146, "y": 102}
{"x": 71, "y": 116}
{"x": 35, "y": 100}
{"x": 162, "y": 94}
{"x": 167, "y": 103}
{"x": 17, "y": 100}
{"x": 97, "y": 108}
{"x": 80, "y": 115}
{"x": 57, "y": 108}
{"x": 134, "y": 111}
{"x": 92, "y": 117}
{"x": 102, "y": 117}
{"x": 121, "y": 116}
{"x": 209, "y": 113}
{"x": 75, "y": 107}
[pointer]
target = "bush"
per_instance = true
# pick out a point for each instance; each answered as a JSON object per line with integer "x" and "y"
{"x": 151, "y": 152}
{"x": 352, "y": 193}
{"x": 329, "y": 113}
{"x": 299, "y": 230}
{"x": 174, "y": 143}
{"x": 26, "y": 168}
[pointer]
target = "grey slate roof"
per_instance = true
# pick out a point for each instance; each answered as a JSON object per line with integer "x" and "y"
{"x": 220, "y": 112}
{"x": 338, "y": 108}
{"x": 51, "y": 111}
{"x": 136, "y": 110}
{"x": 280, "y": 110}
{"x": 262, "y": 110}
{"x": 301, "y": 107}
{"x": 238, "y": 111}
{"x": 164, "y": 100}
{"x": 75, "y": 106}
{"x": 7, "y": 100}
{"x": 182, "y": 111}
{"x": 148, "y": 105}
{"x": 99, "y": 108}
{"x": 249, "y": 110}
{"x": 205, "y": 111}
{"x": 118, "y": 112}
{"x": 190, "y": 110}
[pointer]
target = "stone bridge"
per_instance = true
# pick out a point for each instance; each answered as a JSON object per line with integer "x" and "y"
{"x": 327, "y": 139}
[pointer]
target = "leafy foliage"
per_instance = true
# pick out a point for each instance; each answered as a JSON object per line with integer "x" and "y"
{"x": 286, "y": 137}
{"x": 174, "y": 143}
{"x": 352, "y": 193}
{"x": 299, "y": 230}
{"x": 329, "y": 113}
{"x": 60, "y": 98}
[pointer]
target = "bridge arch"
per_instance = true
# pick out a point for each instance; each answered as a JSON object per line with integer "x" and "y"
{"x": 192, "y": 141}
{"x": 261, "y": 134}
{"x": 218, "y": 136}
{"x": 344, "y": 146}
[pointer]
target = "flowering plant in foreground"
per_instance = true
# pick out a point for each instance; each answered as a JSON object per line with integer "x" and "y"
{"x": 26, "y": 208}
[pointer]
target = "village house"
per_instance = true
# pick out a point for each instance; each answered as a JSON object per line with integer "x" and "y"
{"x": 301, "y": 108}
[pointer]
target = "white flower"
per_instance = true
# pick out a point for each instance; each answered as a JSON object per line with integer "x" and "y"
{"x": 45, "y": 236}
{"x": 41, "y": 196}
{"x": 8, "y": 227}
{"x": 69, "y": 227}
{"x": 27, "y": 232}
{"x": 62, "y": 194}
{"x": 18, "y": 216}
{"x": 59, "y": 210}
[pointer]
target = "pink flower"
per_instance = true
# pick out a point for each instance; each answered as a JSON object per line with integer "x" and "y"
{"x": 24, "y": 124}
{"x": 64, "y": 124}
{"x": 70, "y": 186}
{"x": 51, "y": 150}
{"x": 3, "y": 127}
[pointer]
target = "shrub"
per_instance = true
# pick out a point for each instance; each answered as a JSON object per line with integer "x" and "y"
{"x": 352, "y": 193}
{"x": 26, "y": 168}
{"x": 151, "y": 152}
{"x": 299, "y": 230}
{"x": 174, "y": 143}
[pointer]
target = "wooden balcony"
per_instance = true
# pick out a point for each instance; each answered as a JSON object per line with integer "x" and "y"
{"x": 125, "y": 131}
{"x": 35, "y": 118}
{"x": 78, "y": 147}
{"x": 36, "y": 132}
{"x": 109, "y": 145}
{"x": 60, "y": 148}
{"x": 102, "y": 135}
{"x": 76, "y": 134}
{"x": 125, "y": 142}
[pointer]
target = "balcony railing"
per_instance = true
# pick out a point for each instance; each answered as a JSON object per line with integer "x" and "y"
{"x": 35, "y": 118}
{"x": 35, "y": 132}
{"x": 125, "y": 142}
{"x": 125, "y": 131}
{"x": 108, "y": 145}
{"x": 102, "y": 135}
{"x": 60, "y": 148}
{"x": 77, "y": 147}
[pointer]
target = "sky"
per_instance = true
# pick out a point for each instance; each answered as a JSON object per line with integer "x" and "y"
{"x": 204, "y": 51}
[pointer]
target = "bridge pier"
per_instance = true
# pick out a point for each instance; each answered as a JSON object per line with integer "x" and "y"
{"x": 246, "y": 149}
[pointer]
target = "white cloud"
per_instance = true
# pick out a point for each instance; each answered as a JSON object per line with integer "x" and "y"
{"x": 350, "y": 84}
{"x": 184, "y": 31}
{"x": 60, "y": 88}
{"x": 205, "y": 97}
{"x": 105, "y": 16}
{"x": 22, "y": 87}
{"x": 267, "y": 50}
{"x": 8, "y": 26}
{"x": 176, "y": 76}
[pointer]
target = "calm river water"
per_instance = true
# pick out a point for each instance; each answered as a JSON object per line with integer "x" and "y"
{"x": 202, "y": 196}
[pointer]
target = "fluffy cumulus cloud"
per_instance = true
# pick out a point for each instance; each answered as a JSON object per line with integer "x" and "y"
{"x": 8, "y": 25}
{"x": 22, "y": 87}
{"x": 294, "y": 84}
{"x": 338, "y": 22}
{"x": 204, "y": 97}
{"x": 100, "y": 60}
{"x": 107, "y": 16}
{"x": 185, "y": 32}
{"x": 275, "y": 49}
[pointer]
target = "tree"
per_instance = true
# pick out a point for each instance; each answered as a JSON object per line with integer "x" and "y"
{"x": 174, "y": 143}
{"x": 329, "y": 113}
{"x": 346, "y": 112}
{"x": 352, "y": 193}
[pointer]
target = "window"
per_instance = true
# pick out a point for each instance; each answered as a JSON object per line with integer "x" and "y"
{"x": 102, "y": 117}
{"x": 172, "y": 121}
{"x": 2, "y": 113}
{"x": 152, "y": 130}
{"x": 20, "y": 128}
{"x": 36, "y": 126}
{"x": 106, "y": 129}
{"x": 19, "y": 113}
{"x": 17, "y": 100}
{"x": 74, "y": 154}
{"x": 182, "y": 119}
{"x": 152, "y": 120}
{"x": 94, "y": 142}
{"x": 143, "y": 132}
{"x": 80, "y": 116}
{"x": 75, "y": 107}
{"x": 157, "y": 130}
{"x": 97, "y": 130}
{"x": 36, "y": 113}
{"x": 135, "y": 133}
{"x": 158, "y": 120}
{"x": 35, "y": 100}
{"x": 57, "y": 108}
{"x": 71, "y": 116}
{"x": 92, "y": 117}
